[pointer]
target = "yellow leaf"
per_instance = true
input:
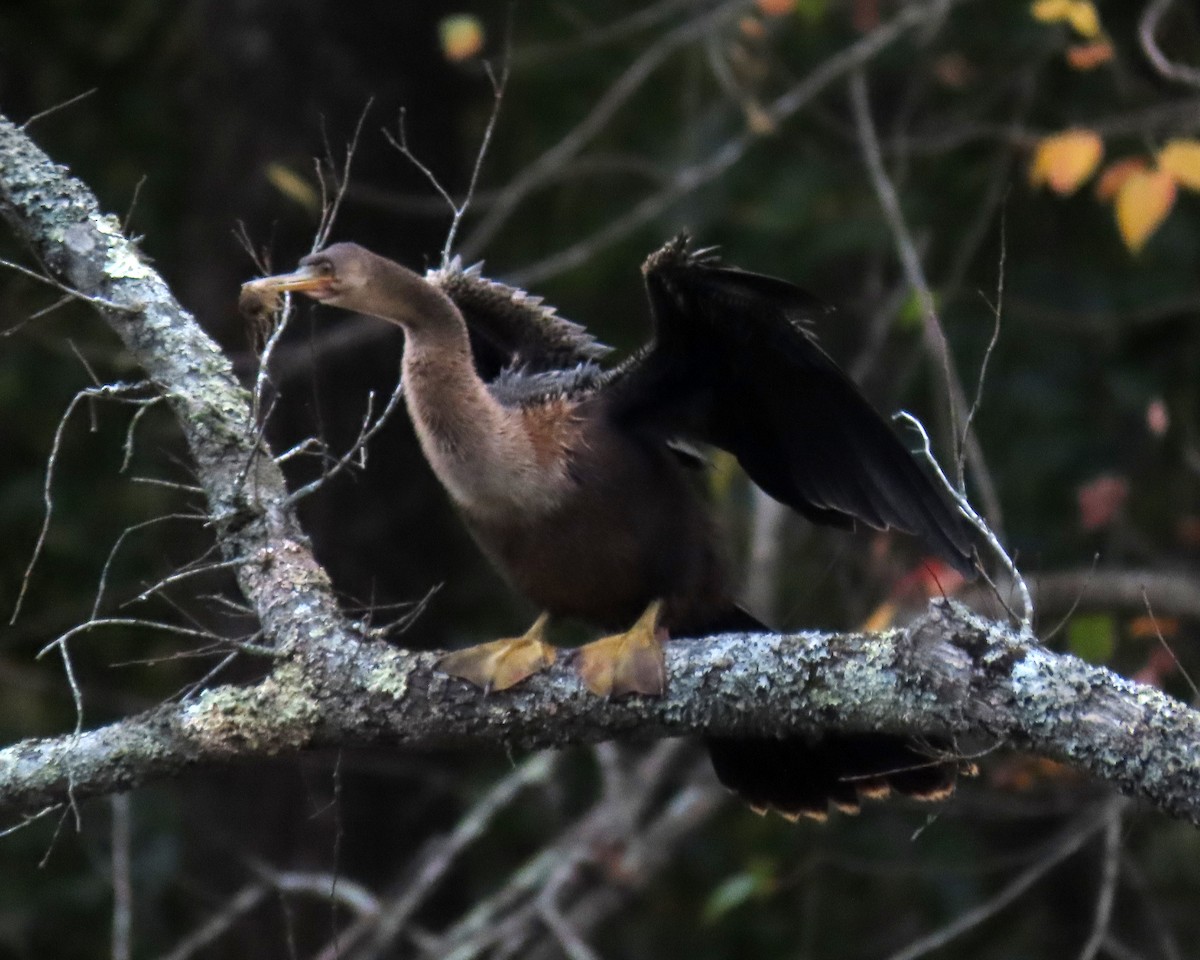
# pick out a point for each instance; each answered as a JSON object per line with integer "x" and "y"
{"x": 461, "y": 36}
{"x": 1080, "y": 14}
{"x": 1051, "y": 11}
{"x": 1143, "y": 202}
{"x": 1181, "y": 159}
{"x": 1084, "y": 18}
{"x": 881, "y": 618}
{"x": 293, "y": 186}
{"x": 1065, "y": 160}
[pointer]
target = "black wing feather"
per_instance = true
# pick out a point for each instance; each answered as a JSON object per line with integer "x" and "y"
{"x": 734, "y": 364}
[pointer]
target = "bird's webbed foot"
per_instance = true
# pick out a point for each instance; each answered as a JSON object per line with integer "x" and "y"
{"x": 630, "y": 662}
{"x": 501, "y": 664}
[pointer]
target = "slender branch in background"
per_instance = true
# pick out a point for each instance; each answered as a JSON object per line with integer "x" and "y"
{"x": 121, "y": 809}
{"x": 366, "y": 432}
{"x": 768, "y": 516}
{"x": 625, "y": 86}
{"x": 935, "y": 338}
{"x": 1069, "y": 843}
{"x": 997, "y": 309}
{"x": 119, "y": 391}
{"x": 688, "y": 179}
{"x": 341, "y": 181}
{"x": 1106, "y": 895}
{"x": 394, "y": 913}
{"x": 1147, "y": 28}
{"x": 498, "y": 88}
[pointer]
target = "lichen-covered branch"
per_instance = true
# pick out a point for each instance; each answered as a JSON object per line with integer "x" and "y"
{"x": 950, "y": 672}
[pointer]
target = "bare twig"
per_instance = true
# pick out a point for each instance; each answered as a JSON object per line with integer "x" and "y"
{"x": 70, "y": 102}
{"x": 122, "y": 876}
{"x": 689, "y": 178}
{"x": 1109, "y": 875}
{"x": 1070, "y": 842}
{"x": 366, "y": 432}
{"x": 119, "y": 391}
{"x": 978, "y": 522}
{"x": 935, "y": 338}
{"x": 1147, "y": 28}
{"x": 390, "y": 920}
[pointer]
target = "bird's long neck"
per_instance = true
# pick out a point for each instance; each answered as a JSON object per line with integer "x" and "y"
{"x": 480, "y": 450}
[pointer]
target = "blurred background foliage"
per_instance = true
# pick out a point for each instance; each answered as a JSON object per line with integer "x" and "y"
{"x": 200, "y": 126}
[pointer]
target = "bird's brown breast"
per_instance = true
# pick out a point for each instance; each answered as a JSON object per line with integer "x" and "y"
{"x": 631, "y": 529}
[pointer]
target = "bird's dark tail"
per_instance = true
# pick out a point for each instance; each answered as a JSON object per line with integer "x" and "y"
{"x": 798, "y": 776}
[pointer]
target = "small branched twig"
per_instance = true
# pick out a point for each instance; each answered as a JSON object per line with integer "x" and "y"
{"x": 112, "y": 553}
{"x": 1026, "y": 618}
{"x": 331, "y": 208}
{"x": 71, "y": 294}
{"x": 357, "y": 449}
{"x": 457, "y": 210}
{"x": 117, "y": 391}
{"x": 997, "y": 309}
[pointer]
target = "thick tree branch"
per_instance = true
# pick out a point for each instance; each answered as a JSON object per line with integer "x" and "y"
{"x": 949, "y": 673}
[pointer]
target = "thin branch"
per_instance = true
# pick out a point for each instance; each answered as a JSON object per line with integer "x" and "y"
{"x": 690, "y": 178}
{"x": 1069, "y": 843}
{"x": 978, "y": 523}
{"x": 1109, "y": 875}
{"x": 997, "y": 309}
{"x": 392, "y": 917}
{"x": 118, "y": 391}
{"x": 569, "y": 145}
{"x": 934, "y": 336}
{"x": 122, "y": 876}
{"x": 70, "y": 102}
{"x": 1147, "y": 28}
{"x": 366, "y": 432}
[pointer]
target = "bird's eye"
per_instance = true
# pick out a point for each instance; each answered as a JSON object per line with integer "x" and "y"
{"x": 324, "y": 268}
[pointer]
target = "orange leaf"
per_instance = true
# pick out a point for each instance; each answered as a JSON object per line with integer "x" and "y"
{"x": 1065, "y": 160}
{"x": 1149, "y": 628}
{"x": 1115, "y": 174}
{"x": 461, "y": 36}
{"x": 775, "y": 8}
{"x": 1088, "y": 56}
{"x": 1181, "y": 159}
{"x": 1143, "y": 202}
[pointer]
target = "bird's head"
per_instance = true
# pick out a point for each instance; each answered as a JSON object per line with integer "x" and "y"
{"x": 337, "y": 275}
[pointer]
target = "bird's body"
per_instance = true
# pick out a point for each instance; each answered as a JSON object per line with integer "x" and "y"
{"x": 570, "y": 479}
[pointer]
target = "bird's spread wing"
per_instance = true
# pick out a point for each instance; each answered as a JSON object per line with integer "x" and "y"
{"x": 734, "y": 364}
{"x": 510, "y": 328}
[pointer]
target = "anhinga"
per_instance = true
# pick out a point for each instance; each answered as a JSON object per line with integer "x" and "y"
{"x": 574, "y": 479}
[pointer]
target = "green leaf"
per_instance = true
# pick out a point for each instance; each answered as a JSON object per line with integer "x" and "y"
{"x": 757, "y": 880}
{"x": 1092, "y": 637}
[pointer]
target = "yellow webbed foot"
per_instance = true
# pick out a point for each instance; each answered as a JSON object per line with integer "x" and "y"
{"x": 501, "y": 664}
{"x": 630, "y": 662}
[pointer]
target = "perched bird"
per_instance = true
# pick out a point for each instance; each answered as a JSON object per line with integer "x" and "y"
{"x": 574, "y": 479}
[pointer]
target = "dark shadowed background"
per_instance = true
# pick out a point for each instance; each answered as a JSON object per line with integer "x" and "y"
{"x": 203, "y": 124}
